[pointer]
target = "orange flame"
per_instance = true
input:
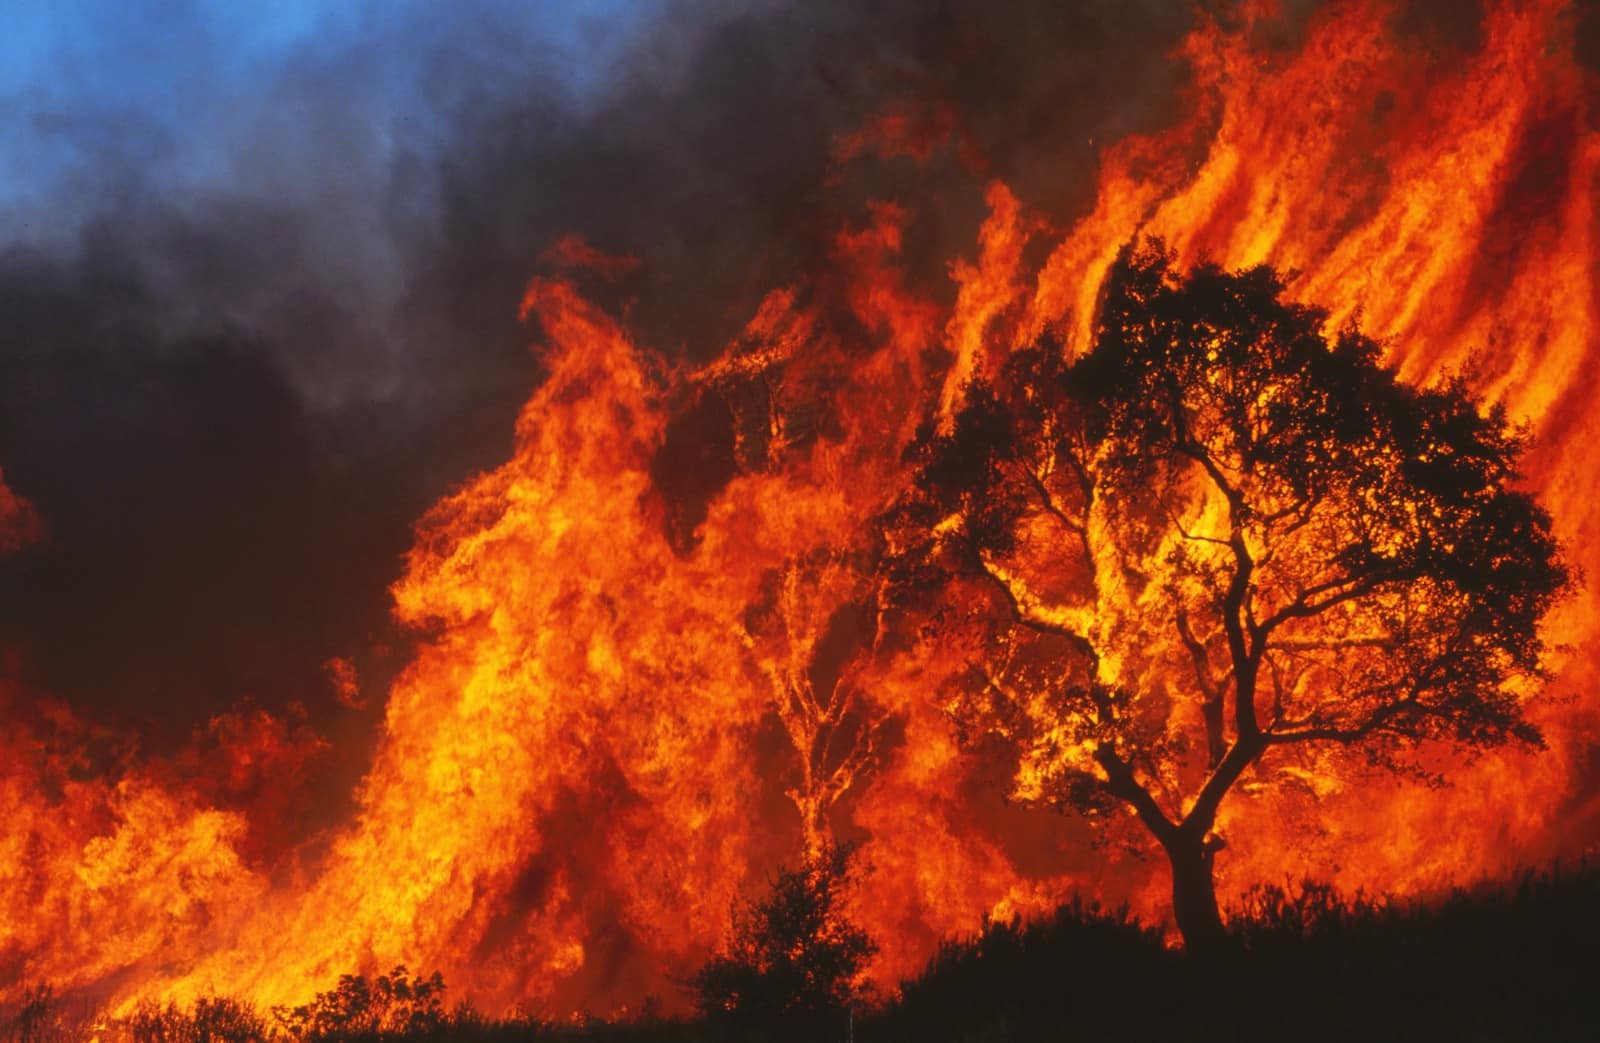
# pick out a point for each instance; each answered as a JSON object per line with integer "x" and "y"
{"x": 598, "y": 747}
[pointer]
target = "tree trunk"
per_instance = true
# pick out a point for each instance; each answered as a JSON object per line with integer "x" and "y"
{"x": 1194, "y": 893}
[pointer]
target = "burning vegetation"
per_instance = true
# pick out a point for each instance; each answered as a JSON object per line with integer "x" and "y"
{"x": 1336, "y": 557}
{"x": 1230, "y": 514}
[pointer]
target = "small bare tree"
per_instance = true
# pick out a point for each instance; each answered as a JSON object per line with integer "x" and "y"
{"x": 811, "y": 639}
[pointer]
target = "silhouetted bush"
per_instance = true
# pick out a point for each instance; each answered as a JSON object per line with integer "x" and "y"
{"x": 1501, "y": 964}
{"x": 212, "y": 1019}
{"x": 1082, "y": 967}
{"x": 393, "y": 1004}
{"x": 795, "y": 961}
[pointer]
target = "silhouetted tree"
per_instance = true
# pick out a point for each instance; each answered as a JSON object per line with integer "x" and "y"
{"x": 795, "y": 956}
{"x": 1218, "y": 538}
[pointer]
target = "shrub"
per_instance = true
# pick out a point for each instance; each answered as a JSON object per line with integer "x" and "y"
{"x": 390, "y": 1005}
{"x": 795, "y": 957}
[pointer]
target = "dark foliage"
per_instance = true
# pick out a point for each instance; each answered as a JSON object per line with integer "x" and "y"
{"x": 795, "y": 960}
{"x": 1084, "y": 967}
{"x": 1502, "y": 964}
{"x": 211, "y": 1019}
{"x": 393, "y": 1004}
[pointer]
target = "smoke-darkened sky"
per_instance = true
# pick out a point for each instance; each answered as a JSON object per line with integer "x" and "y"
{"x": 260, "y": 265}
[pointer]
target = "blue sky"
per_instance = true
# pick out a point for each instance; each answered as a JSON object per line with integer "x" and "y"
{"x": 185, "y": 95}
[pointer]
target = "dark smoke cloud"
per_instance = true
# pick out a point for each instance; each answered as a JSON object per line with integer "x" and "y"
{"x": 259, "y": 309}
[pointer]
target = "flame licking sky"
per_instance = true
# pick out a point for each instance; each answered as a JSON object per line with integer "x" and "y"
{"x": 608, "y": 730}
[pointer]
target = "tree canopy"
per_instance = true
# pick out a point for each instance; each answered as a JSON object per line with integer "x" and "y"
{"x": 1218, "y": 534}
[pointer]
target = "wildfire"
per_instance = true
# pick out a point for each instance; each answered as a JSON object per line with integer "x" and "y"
{"x": 627, "y": 705}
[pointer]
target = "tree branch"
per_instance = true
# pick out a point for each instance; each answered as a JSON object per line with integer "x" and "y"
{"x": 1121, "y": 783}
{"x": 1210, "y": 687}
